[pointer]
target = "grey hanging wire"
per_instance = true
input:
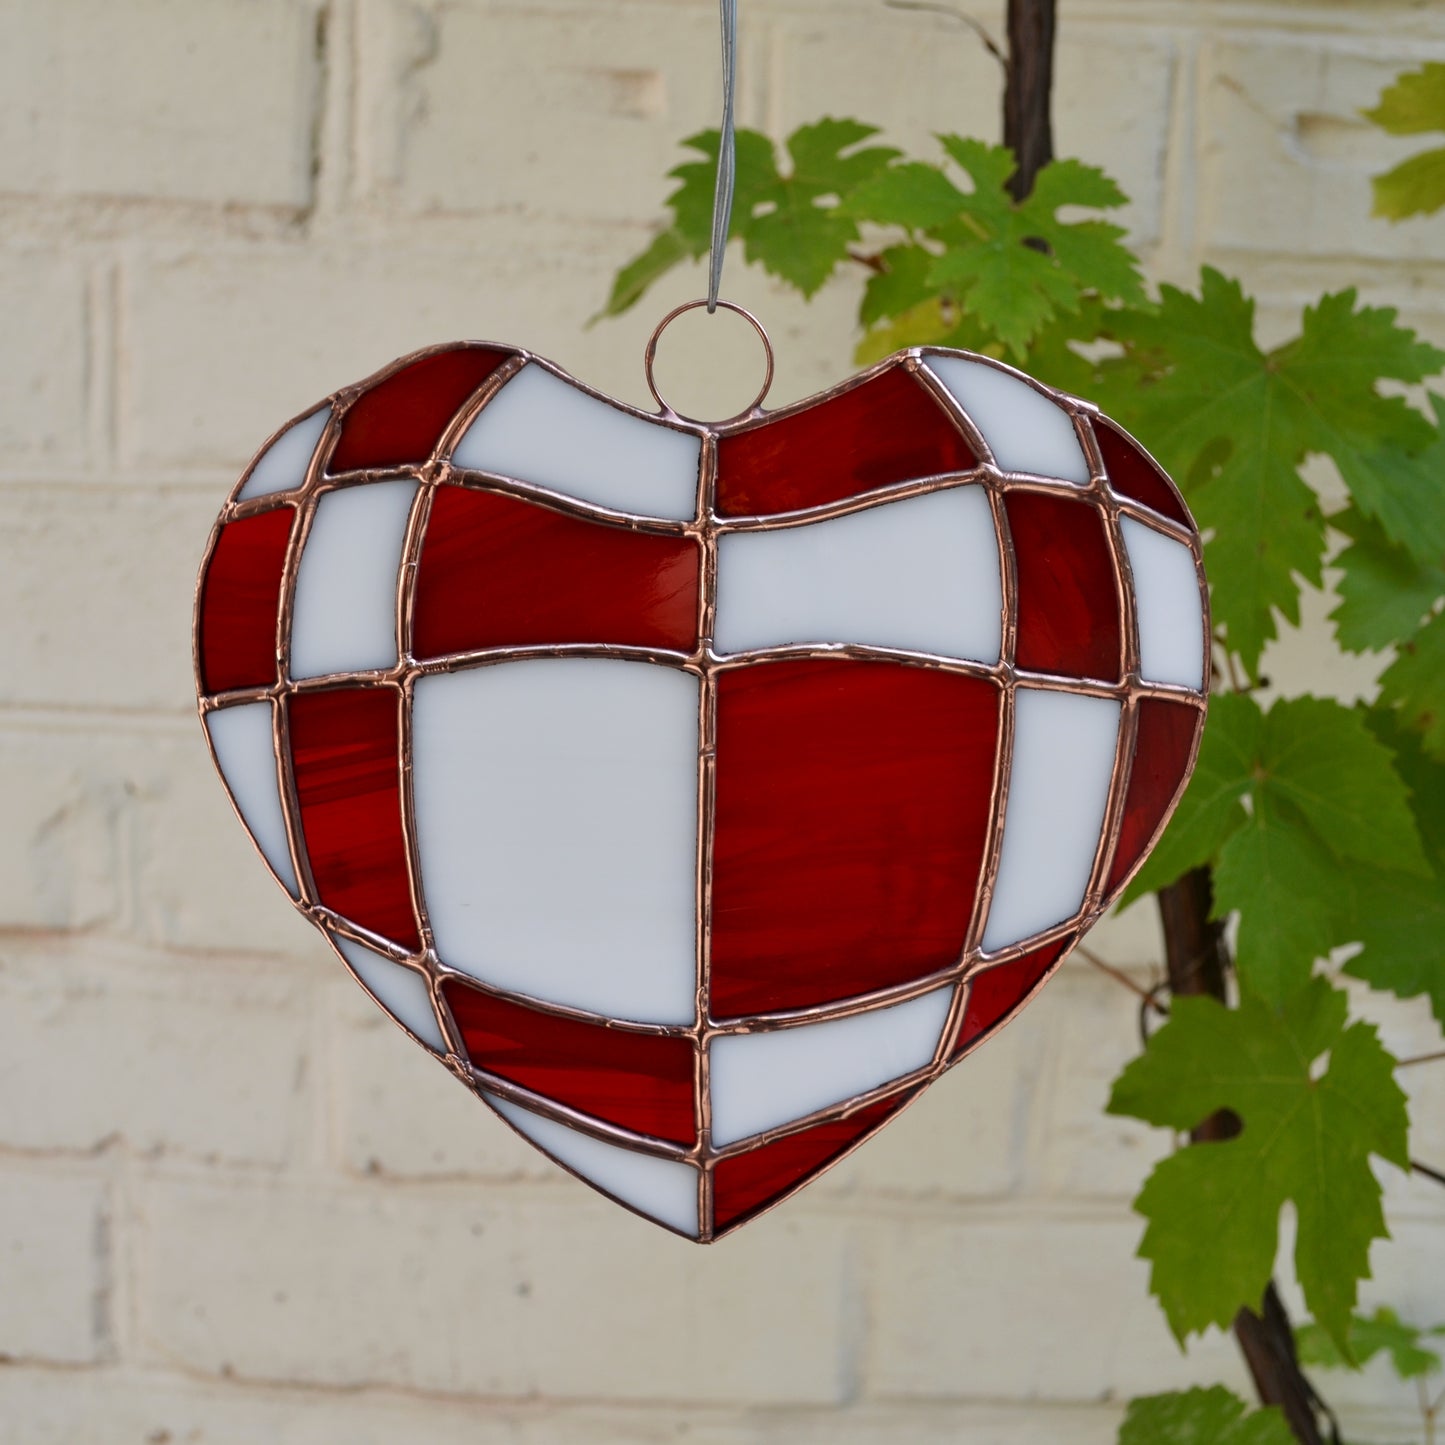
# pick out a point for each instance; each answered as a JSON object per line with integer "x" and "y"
{"x": 722, "y": 201}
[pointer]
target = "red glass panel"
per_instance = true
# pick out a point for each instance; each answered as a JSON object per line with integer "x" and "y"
{"x": 1068, "y": 600}
{"x": 1132, "y": 474}
{"x": 746, "y": 1183}
{"x": 348, "y": 780}
{"x": 497, "y": 571}
{"x": 240, "y": 600}
{"x": 1161, "y": 754}
{"x": 642, "y": 1082}
{"x": 888, "y": 430}
{"x": 853, "y": 801}
{"x": 402, "y": 418}
{"x": 996, "y": 993}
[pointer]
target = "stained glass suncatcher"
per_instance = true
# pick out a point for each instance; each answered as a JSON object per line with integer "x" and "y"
{"x": 701, "y": 793}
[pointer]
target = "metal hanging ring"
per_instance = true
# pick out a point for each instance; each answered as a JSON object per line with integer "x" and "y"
{"x": 755, "y": 406}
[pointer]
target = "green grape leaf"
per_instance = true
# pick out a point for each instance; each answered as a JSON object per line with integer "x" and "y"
{"x": 827, "y": 161}
{"x": 800, "y": 243}
{"x": 797, "y": 228}
{"x": 1055, "y": 358}
{"x": 1415, "y": 683}
{"x": 1374, "y": 440}
{"x": 1412, "y": 105}
{"x": 1370, "y": 1335}
{"x": 691, "y": 204}
{"x": 1211, "y": 811}
{"x": 1267, "y": 536}
{"x": 1399, "y": 918}
{"x": 1413, "y": 514}
{"x": 1385, "y": 592}
{"x": 1090, "y": 249}
{"x": 1070, "y": 182}
{"x": 1415, "y": 187}
{"x": 1016, "y": 266}
{"x": 1012, "y": 269}
{"x": 635, "y": 279}
{"x": 921, "y": 325}
{"x": 1215, "y": 1416}
{"x": 1093, "y": 252}
{"x": 1343, "y": 348}
{"x": 1235, "y": 425}
{"x": 1423, "y": 776}
{"x": 1322, "y": 758}
{"x": 1012, "y": 289}
{"x": 913, "y": 195}
{"x": 1278, "y": 801}
{"x": 1283, "y": 882}
{"x": 1322, "y": 789}
{"x": 1215, "y": 419}
{"x": 898, "y": 287}
{"x": 1413, "y": 102}
{"x": 1308, "y": 1131}
{"x": 987, "y": 166}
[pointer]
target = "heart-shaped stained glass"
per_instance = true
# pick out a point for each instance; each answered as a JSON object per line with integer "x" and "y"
{"x": 700, "y": 793}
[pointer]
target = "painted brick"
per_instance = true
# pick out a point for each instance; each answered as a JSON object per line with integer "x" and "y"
{"x": 226, "y": 347}
{"x": 46, "y": 1408}
{"x": 961, "y": 1138}
{"x": 175, "y": 99}
{"x": 219, "y": 895}
{"x": 49, "y": 1408}
{"x": 276, "y": 330}
{"x": 59, "y": 863}
{"x": 513, "y": 1291}
{"x": 1022, "y": 1304}
{"x": 103, "y": 827}
{"x": 205, "y": 1059}
{"x": 397, "y": 1112}
{"x": 1088, "y": 1029}
{"x": 42, "y": 383}
{"x": 1130, "y": 939}
{"x": 579, "y": 107}
{"x": 54, "y": 1265}
{"x": 109, "y": 629}
{"x": 1286, "y": 157}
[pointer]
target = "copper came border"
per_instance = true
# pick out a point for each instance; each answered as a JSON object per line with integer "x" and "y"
{"x": 706, "y": 526}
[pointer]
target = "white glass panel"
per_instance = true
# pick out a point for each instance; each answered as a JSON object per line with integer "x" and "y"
{"x": 662, "y": 1189}
{"x": 246, "y": 753}
{"x": 920, "y": 574}
{"x": 345, "y": 612}
{"x": 541, "y": 429}
{"x": 401, "y": 991}
{"x": 1166, "y": 592}
{"x": 759, "y": 1081}
{"x": 556, "y": 809}
{"x": 1063, "y": 760}
{"x": 282, "y": 466}
{"x": 1024, "y": 429}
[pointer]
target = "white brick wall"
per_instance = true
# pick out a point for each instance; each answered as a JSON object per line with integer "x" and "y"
{"x": 235, "y": 1204}
{"x": 204, "y": 100}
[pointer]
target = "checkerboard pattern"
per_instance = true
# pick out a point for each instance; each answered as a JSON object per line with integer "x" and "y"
{"x": 701, "y": 794}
